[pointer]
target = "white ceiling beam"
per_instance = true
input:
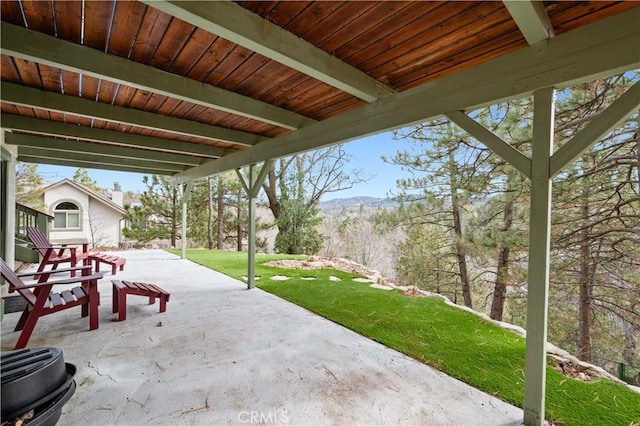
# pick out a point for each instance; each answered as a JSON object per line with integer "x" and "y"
{"x": 242, "y": 27}
{"x": 37, "y": 47}
{"x": 35, "y": 159}
{"x": 55, "y": 128}
{"x": 96, "y": 161}
{"x": 31, "y": 97}
{"x": 531, "y": 18}
{"x": 601, "y": 49}
{"x": 54, "y": 144}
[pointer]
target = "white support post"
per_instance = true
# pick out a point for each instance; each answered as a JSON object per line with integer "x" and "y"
{"x": 185, "y": 191}
{"x": 251, "y": 231}
{"x": 539, "y": 241}
{"x": 9, "y": 181}
{"x": 252, "y": 186}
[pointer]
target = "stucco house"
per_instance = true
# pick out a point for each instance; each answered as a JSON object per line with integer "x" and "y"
{"x": 81, "y": 213}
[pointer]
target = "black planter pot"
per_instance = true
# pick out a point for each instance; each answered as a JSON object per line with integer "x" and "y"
{"x": 35, "y": 379}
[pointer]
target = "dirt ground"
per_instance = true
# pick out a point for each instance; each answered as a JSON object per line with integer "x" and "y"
{"x": 315, "y": 262}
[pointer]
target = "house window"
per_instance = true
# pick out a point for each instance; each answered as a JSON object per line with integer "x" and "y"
{"x": 66, "y": 215}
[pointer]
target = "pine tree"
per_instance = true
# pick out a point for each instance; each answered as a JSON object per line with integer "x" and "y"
{"x": 29, "y": 185}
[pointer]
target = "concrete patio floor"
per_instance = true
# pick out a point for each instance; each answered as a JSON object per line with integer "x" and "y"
{"x": 225, "y": 355}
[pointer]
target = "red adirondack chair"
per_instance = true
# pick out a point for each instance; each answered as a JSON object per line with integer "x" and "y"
{"x": 42, "y": 301}
{"x": 53, "y": 255}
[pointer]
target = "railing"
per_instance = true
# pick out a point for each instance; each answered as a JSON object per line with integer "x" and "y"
{"x": 26, "y": 216}
{"x": 626, "y": 372}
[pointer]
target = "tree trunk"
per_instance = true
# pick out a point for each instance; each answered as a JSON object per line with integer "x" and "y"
{"x": 584, "y": 302}
{"x": 462, "y": 258}
{"x": 502, "y": 271}
{"x": 210, "y": 218}
{"x": 457, "y": 226}
{"x": 174, "y": 219}
{"x": 630, "y": 352}
{"x": 239, "y": 220}
{"x": 269, "y": 187}
{"x": 220, "y": 222}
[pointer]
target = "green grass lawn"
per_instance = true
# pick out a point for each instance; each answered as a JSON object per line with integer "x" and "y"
{"x": 455, "y": 342}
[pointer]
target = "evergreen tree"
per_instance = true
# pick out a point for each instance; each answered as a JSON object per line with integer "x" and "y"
{"x": 298, "y": 183}
{"x": 29, "y": 185}
{"x": 160, "y": 215}
{"x": 440, "y": 179}
{"x": 597, "y": 222}
{"x": 299, "y": 220}
{"x": 81, "y": 176}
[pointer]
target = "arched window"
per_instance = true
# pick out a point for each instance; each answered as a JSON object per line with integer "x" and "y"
{"x": 66, "y": 215}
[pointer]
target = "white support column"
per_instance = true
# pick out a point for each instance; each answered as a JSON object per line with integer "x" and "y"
{"x": 9, "y": 154}
{"x": 251, "y": 231}
{"x": 185, "y": 191}
{"x": 252, "y": 186}
{"x": 539, "y": 241}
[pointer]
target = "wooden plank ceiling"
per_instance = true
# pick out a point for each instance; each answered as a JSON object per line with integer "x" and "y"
{"x": 396, "y": 45}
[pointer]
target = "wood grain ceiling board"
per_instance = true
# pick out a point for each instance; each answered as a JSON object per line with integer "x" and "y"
{"x": 153, "y": 28}
{"x": 39, "y": 16}
{"x": 106, "y": 92}
{"x": 70, "y": 83}
{"x": 177, "y": 35}
{"x": 440, "y": 30}
{"x": 464, "y": 45}
{"x": 8, "y": 70}
{"x": 497, "y": 47}
{"x": 10, "y": 12}
{"x": 264, "y": 7}
{"x": 97, "y": 23}
{"x": 348, "y": 13}
{"x": 364, "y": 27}
{"x": 380, "y": 29}
{"x": 90, "y": 87}
{"x": 125, "y": 27}
{"x": 68, "y": 20}
{"x": 313, "y": 16}
{"x": 578, "y": 14}
{"x": 198, "y": 45}
{"x": 50, "y": 78}
{"x": 28, "y": 72}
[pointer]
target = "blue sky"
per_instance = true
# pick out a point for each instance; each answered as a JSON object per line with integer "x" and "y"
{"x": 366, "y": 153}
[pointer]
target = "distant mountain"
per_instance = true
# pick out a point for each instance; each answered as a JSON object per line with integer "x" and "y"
{"x": 340, "y": 203}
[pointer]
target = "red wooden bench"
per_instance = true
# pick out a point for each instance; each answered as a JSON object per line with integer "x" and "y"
{"x": 122, "y": 288}
{"x": 115, "y": 261}
{"x": 42, "y": 301}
